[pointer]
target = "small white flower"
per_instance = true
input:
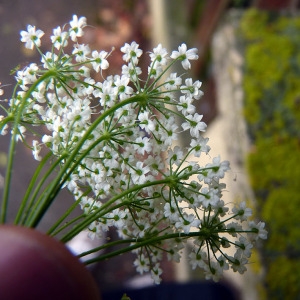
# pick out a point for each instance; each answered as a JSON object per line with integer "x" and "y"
{"x": 217, "y": 168}
{"x": 31, "y": 72}
{"x": 208, "y": 197}
{"x": 77, "y": 26}
{"x": 132, "y": 52}
{"x": 36, "y": 150}
{"x": 145, "y": 122}
{"x": 243, "y": 247}
{"x": 238, "y": 263}
{"x": 118, "y": 217}
{"x": 199, "y": 146}
{"x": 185, "y": 55}
{"x": 99, "y": 60}
{"x": 107, "y": 94}
{"x": 59, "y": 38}
{"x": 222, "y": 262}
{"x": 194, "y": 124}
{"x": 242, "y": 212}
{"x": 185, "y": 105}
{"x": 155, "y": 273}
{"x": 142, "y": 264}
{"x": 121, "y": 86}
{"x": 257, "y": 230}
{"x": 168, "y": 131}
{"x": 198, "y": 259}
{"x": 31, "y": 37}
{"x": 142, "y": 145}
{"x": 139, "y": 173}
{"x": 171, "y": 213}
{"x": 81, "y": 52}
{"x": 213, "y": 271}
{"x": 154, "y": 72}
{"x": 175, "y": 155}
{"x": 173, "y": 82}
{"x": 131, "y": 71}
{"x": 221, "y": 209}
{"x": 192, "y": 89}
{"x": 158, "y": 56}
{"x": 188, "y": 222}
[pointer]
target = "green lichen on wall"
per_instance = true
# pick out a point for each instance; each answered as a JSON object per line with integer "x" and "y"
{"x": 272, "y": 112}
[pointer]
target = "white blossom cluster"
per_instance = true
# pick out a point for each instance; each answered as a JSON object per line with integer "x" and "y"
{"x": 114, "y": 138}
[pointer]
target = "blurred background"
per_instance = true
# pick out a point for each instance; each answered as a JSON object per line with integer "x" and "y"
{"x": 250, "y": 68}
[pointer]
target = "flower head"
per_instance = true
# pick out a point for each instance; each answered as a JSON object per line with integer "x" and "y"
{"x": 115, "y": 140}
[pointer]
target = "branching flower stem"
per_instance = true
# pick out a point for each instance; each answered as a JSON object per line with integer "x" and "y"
{"x": 106, "y": 207}
{"x": 72, "y": 161}
{"x": 137, "y": 243}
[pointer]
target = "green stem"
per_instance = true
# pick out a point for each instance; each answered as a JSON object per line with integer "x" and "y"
{"x": 138, "y": 244}
{"x": 68, "y": 223}
{"x": 105, "y": 246}
{"x": 30, "y": 187}
{"x": 12, "y": 146}
{"x": 52, "y": 231}
{"x": 5, "y": 121}
{"x": 35, "y": 204}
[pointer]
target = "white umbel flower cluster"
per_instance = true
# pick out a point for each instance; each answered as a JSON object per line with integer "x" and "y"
{"x": 112, "y": 141}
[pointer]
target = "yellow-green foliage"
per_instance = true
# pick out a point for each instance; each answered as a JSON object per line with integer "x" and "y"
{"x": 272, "y": 111}
{"x": 272, "y": 77}
{"x": 285, "y": 284}
{"x": 274, "y": 163}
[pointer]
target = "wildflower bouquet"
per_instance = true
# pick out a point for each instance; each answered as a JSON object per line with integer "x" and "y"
{"x": 111, "y": 144}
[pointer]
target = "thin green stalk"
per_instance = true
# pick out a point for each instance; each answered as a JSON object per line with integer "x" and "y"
{"x": 30, "y": 187}
{"x": 140, "y": 243}
{"x": 34, "y": 204}
{"x": 67, "y": 224}
{"x": 105, "y": 246}
{"x": 12, "y": 147}
{"x": 52, "y": 231}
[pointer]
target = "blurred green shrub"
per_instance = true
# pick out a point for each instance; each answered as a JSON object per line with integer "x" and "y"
{"x": 272, "y": 112}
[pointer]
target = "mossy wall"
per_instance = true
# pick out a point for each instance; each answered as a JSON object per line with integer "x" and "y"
{"x": 272, "y": 112}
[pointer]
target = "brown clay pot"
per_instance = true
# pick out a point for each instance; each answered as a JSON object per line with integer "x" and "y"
{"x": 36, "y": 266}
